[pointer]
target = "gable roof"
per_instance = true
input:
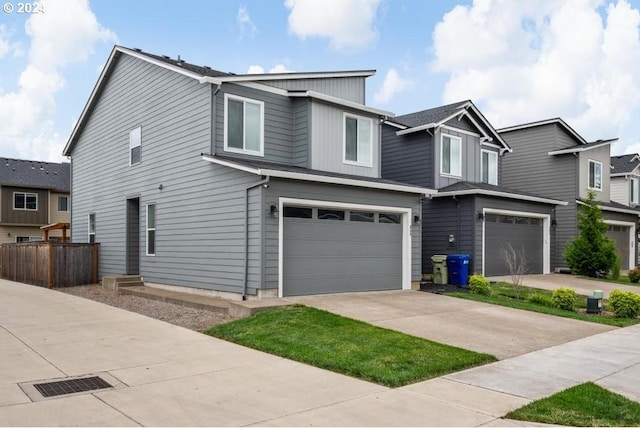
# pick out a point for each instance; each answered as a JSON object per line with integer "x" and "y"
{"x": 624, "y": 164}
{"x": 438, "y": 116}
{"x": 461, "y": 188}
{"x": 36, "y": 174}
{"x": 204, "y": 74}
{"x": 277, "y": 170}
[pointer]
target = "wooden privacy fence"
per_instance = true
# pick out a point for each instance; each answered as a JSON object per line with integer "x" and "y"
{"x": 50, "y": 264}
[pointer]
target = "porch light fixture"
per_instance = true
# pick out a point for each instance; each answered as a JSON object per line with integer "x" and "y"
{"x": 480, "y": 216}
{"x": 273, "y": 211}
{"x": 416, "y": 219}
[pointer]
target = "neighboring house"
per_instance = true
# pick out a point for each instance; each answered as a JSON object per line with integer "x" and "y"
{"x": 33, "y": 194}
{"x": 455, "y": 150}
{"x": 239, "y": 185}
{"x": 625, "y": 184}
{"x": 553, "y": 159}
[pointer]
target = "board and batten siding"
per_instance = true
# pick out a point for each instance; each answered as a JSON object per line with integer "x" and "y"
{"x": 620, "y": 190}
{"x": 327, "y": 141}
{"x": 348, "y": 88}
{"x": 407, "y": 158}
{"x": 301, "y": 132}
{"x": 530, "y": 168}
{"x": 334, "y": 193}
{"x": 199, "y": 206}
{"x": 470, "y": 147}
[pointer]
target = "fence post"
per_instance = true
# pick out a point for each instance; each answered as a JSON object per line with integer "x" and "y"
{"x": 50, "y": 276}
{"x": 94, "y": 268}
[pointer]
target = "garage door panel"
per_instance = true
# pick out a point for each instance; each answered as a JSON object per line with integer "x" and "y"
{"x": 620, "y": 234}
{"x": 518, "y": 233}
{"x": 330, "y": 256}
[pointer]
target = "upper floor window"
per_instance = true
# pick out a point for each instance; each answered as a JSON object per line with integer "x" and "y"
{"x": 595, "y": 175}
{"x": 244, "y": 125}
{"x": 489, "y": 170}
{"x": 135, "y": 146}
{"x": 451, "y": 155}
{"x": 63, "y": 203}
{"x": 25, "y": 201}
{"x": 92, "y": 228}
{"x": 357, "y": 140}
{"x": 634, "y": 197}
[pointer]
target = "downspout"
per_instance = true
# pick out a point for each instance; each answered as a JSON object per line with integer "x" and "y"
{"x": 245, "y": 272}
{"x": 214, "y": 117}
{"x": 458, "y": 224}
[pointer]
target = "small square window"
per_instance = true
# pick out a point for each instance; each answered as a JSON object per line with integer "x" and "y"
{"x": 25, "y": 201}
{"x": 63, "y": 203}
{"x": 244, "y": 125}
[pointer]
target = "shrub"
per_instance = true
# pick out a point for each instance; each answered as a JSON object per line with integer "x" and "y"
{"x": 480, "y": 285}
{"x": 625, "y": 304}
{"x": 540, "y": 299}
{"x": 564, "y": 298}
{"x": 615, "y": 270}
{"x": 634, "y": 275}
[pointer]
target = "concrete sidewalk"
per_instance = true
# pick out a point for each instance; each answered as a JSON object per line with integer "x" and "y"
{"x": 169, "y": 376}
{"x": 581, "y": 286}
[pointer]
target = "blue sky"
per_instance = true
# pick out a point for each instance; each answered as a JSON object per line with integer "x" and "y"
{"x": 519, "y": 61}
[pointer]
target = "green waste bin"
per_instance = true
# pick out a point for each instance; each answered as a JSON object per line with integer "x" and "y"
{"x": 440, "y": 274}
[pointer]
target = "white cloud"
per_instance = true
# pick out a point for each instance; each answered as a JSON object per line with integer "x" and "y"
{"x": 348, "y": 24}
{"x": 392, "y": 85}
{"x": 246, "y": 25}
{"x": 64, "y": 34}
{"x": 256, "y": 69}
{"x": 575, "y": 59}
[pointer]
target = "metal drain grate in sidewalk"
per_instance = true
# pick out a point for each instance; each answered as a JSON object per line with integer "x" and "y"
{"x": 71, "y": 386}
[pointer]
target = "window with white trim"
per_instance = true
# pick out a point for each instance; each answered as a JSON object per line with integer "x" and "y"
{"x": 63, "y": 203}
{"x": 92, "y": 228}
{"x": 357, "y": 140}
{"x": 595, "y": 175}
{"x": 451, "y": 155}
{"x": 25, "y": 201}
{"x": 243, "y": 125}
{"x": 634, "y": 187}
{"x": 489, "y": 167}
{"x": 151, "y": 229}
{"x": 20, "y": 239}
{"x": 135, "y": 146}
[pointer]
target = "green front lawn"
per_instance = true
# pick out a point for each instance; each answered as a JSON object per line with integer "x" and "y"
{"x": 624, "y": 280}
{"x": 586, "y": 405}
{"x": 504, "y": 294}
{"x": 347, "y": 346}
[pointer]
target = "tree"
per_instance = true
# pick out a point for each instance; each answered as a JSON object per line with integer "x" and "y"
{"x": 516, "y": 265}
{"x": 591, "y": 253}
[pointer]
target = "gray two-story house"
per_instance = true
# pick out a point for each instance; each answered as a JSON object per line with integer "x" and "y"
{"x": 240, "y": 185}
{"x": 33, "y": 194}
{"x": 454, "y": 149}
{"x": 555, "y": 160}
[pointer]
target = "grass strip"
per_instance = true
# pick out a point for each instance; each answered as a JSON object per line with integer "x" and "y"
{"x": 347, "y": 346}
{"x": 585, "y": 405}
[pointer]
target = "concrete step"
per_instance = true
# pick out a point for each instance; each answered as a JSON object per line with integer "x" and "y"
{"x": 245, "y": 308}
{"x": 183, "y": 299}
{"x": 113, "y": 283}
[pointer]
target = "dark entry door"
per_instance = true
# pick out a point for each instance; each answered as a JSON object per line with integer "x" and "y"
{"x": 133, "y": 237}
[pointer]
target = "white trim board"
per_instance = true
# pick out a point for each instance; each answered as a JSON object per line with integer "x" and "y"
{"x": 406, "y": 231}
{"x": 546, "y": 234}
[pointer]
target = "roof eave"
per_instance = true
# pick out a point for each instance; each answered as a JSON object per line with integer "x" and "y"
{"x": 502, "y": 195}
{"x": 274, "y": 173}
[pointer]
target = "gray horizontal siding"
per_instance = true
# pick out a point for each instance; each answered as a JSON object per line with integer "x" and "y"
{"x": 278, "y": 123}
{"x": 407, "y": 158}
{"x": 333, "y": 193}
{"x": 200, "y": 209}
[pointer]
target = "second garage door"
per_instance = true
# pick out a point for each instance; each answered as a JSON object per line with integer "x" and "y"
{"x": 523, "y": 233}
{"x": 331, "y": 251}
{"x": 620, "y": 234}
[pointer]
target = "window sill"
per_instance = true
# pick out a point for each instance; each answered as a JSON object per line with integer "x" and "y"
{"x": 364, "y": 165}
{"x": 459, "y": 177}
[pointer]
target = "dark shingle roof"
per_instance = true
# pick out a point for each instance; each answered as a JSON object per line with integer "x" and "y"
{"x": 432, "y": 115}
{"x": 202, "y": 70}
{"x": 618, "y": 206}
{"x": 29, "y": 173}
{"x": 624, "y": 164}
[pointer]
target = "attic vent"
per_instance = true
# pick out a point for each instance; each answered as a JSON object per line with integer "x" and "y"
{"x": 72, "y": 386}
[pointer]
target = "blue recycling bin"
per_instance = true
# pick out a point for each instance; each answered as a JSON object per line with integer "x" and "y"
{"x": 458, "y": 265}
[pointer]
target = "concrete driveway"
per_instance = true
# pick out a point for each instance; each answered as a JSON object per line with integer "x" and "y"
{"x": 500, "y": 331}
{"x": 582, "y": 286}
